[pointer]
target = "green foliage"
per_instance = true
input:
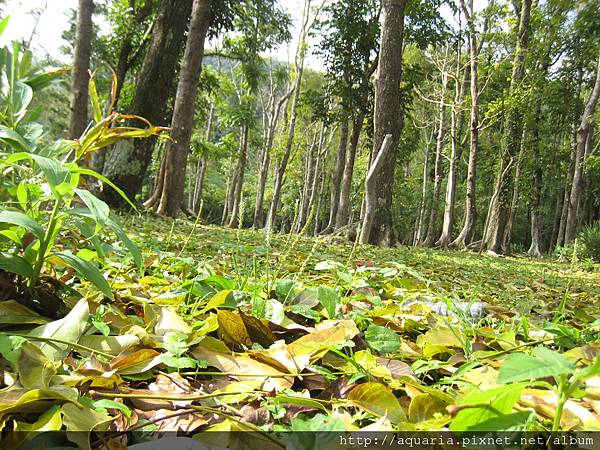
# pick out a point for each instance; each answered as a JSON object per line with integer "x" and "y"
{"x": 54, "y": 167}
{"x": 590, "y": 240}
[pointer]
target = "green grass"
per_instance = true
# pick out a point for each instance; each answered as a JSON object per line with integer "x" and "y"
{"x": 516, "y": 282}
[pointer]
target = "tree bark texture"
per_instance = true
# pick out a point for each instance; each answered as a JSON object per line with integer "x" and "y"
{"x": 81, "y": 67}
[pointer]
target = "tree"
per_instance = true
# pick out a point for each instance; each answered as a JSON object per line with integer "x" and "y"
{"x": 582, "y": 138}
{"x": 170, "y": 186}
{"x": 348, "y": 47}
{"x": 298, "y": 71}
{"x": 387, "y": 121}
{"x": 468, "y": 230}
{"x": 127, "y": 163}
{"x": 81, "y": 67}
{"x": 511, "y": 143}
{"x": 439, "y": 155}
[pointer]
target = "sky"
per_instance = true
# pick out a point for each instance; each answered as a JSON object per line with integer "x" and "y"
{"x": 53, "y": 20}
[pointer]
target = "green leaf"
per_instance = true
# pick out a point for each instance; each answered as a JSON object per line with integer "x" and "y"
{"x": 22, "y": 220}
{"x": 521, "y": 367}
{"x": 103, "y": 404}
{"x": 284, "y": 289}
{"x": 109, "y": 344}
{"x": 69, "y": 329}
{"x": 88, "y": 271}
{"x": 379, "y": 400}
{"x": 92, "y": 173}
{"x": 21, "y": 98}
{"x": 382, "y": 339}
{"x": 14, "y": 139}
{"x": 330, "y": 299}
{"x": 10, "y": 347}
{"x": 81, "y": 421}
{"x": 179, "y": 362}
{"x": 34, "y": 368}
{"x": 318, "y": 423}
{"x": 97, "y": 110}
{"x": 15, "y": 264}
{"x": 133, "y": 249}
{"x": 554, "y": 359}
{"x": 97, "y": 207}
{"x": 54, "y": 172}
{"x": 3, "y": 24}
{"x": 495, "y": 403}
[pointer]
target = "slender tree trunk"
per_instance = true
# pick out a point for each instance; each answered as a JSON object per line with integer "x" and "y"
{"x": 202, "y": 164}
{"x": 514, "y": 204}
{"x": 81, "y": 66}
{"x": 420, "y": 224}
{"x": 455, "y": 128}
{"x": 309, "y": 168}
{"x": 282, "y": 165}
{"x": 199, "y": 184}
{"x": 239, "y": 177}
{"x": 127, "y": 163}
{"x": 465, "y": 237}
{"x": 377, "y": 225}
{"x": 341, "y": 218}
{"x": 228, "y": 203}
{"x": 439, "y": 167}
{"x": 448, "y": 221}
{"x": 556, "y": 221}
{"x": 534, "y": 248}
{"x": 582, "y": 136}
{"x": 336, "y": 176}
{"x": 266, "y": 160}
{"x": 496, "y": 221}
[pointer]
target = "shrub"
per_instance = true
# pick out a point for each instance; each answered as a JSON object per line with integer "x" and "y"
{"x": 590, "y": 241}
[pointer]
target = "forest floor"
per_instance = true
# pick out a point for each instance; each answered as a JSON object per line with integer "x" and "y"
{"x": 239, "y": 330}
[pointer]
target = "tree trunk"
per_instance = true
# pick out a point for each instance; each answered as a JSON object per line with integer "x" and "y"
{"x": 282, "y": 165}
{"x": 81, "y": 66}
{"x": 336, "y": 177}
{"x": 341, "y": 218}
{"x": 309, "y": 173}
{"x": 420, "y": 224}
{"x": 199, "y": 184}
{"x": 387, "y": 119}
{"x": 514, "y": 204}
{"x": 448, "y": 222}
{"x": 127, "y": 163}
{"x": 239, "y": 177}
{"x": 494, "y": 237}
{"x": 582, "y": 136}
{"x": 177, "y": 149}
{"x": 556, "y": 220}
{"x": 465, "y": 237}
{"x": 202, "y": 164}
{"x": 258, "y": 220}
{"x": 534, "y": 248}
{"x": 439, "y": 165}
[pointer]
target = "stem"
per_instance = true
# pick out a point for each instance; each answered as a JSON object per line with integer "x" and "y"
{"x": 71, "y": 344}
{"x": 562, "y": 399}
{"x": 39, "y": 264}
{"x": 180, "y": 398}
{"x": 237, "y": 374}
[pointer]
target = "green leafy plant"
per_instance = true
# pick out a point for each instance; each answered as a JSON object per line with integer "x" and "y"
{"x": 40, "y": 178}
{"x": 590, "y": 240}
{"x": 520, "y": 367}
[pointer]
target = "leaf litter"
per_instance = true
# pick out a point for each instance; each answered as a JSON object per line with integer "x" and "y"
{"x": 245, "y": 330}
